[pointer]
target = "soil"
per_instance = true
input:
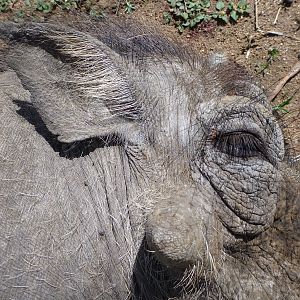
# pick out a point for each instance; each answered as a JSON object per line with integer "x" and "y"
{"x": 242, "y": 42}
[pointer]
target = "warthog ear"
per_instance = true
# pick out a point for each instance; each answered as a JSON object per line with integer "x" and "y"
{"x": 75, "y": 81}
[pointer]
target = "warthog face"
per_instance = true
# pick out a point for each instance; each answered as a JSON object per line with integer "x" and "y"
{"x": 178, "y": 165}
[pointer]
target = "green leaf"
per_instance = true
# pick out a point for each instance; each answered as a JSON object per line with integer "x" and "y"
{"x": 220, "y": 5}
{"x": 180, "y": 28}
{"x": 224, "y": 18}
{"x": 199, "y": 18}
{"x": 44, "y": 7}
{"x": 167, "y": 18}
{"x": 129, "y": 7}
{"x": 247, "y": 10}
{"x": 98, "y": 14}
{"x": 231, "y": 6}
{"x": 234, "y": 15}
{"x": 279, "y": 108}
{"x": 273, "y": 52}
{"x": 20, "y": 13}
{"x": 184, "y": 15}
{"x": 207, "y": 18}
{"x": 242, "y": 4}
{"x": 186, "y": 24}
{"x": 172, "y": 3}
{"x": 193, "y": 23}
{"x": 283, "y": 104}
{"x": 206, "y": 3}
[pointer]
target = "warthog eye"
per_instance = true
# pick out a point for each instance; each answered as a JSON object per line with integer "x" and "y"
{"x": 239, "y": 144}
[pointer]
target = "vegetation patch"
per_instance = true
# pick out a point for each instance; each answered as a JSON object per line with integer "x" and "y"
{"x": 273, "y": 54}
{"x": 189, "y": 13}
{"x": 281, "y": 107}
{"x": 32, "y": 8}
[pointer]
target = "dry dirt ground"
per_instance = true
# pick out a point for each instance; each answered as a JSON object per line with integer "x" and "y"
{"x": 243, "y": 43}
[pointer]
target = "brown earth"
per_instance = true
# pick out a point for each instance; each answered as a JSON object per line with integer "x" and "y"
{"x": 243, "y": 43}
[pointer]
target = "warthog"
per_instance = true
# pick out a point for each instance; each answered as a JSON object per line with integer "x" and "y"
{"x": 134, "y": 169}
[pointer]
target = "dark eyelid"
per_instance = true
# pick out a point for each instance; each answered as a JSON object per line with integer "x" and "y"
{"x": 240, "y": 144}
{"x": 236, "y": 132}
{"x": 240, "y": 133}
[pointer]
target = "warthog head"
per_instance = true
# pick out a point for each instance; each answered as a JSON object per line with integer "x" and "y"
{"x": 207, "y": 198}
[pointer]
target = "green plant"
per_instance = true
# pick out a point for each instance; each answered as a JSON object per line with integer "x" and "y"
{"x": 273, "y": 53}
{"x": 189, "y": 13}
{"x": 44, "y": 6}
{"x": 28, "y": 8}
{"x": 67, "y": 4}
{"x": 5, "y": 5}
{"x": 220, "y": 12}
{"x": 19, "y": 14}
{"x": 129, "y": 7}
{"x": 238, "y": 10}
{"x": 284, "y": 103}
{"x": 92, "y": 7}
{"x": 96, "y": 13}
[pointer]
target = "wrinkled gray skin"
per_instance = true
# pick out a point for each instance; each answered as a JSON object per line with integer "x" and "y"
{"x": 132, "y": 169}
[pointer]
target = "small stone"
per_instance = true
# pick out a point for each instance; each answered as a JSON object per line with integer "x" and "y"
{"x": 287, "y": 2}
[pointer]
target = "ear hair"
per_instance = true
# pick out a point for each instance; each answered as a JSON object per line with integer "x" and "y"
{"x": 74, "y": 80}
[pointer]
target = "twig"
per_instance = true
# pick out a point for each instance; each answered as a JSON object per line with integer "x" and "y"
{"x": 249, "y": 46}
{"x": 248, "y": 53}
{"x": 270, "y": 33}
{"x": 278, "y": 11}
{"x": 118, "y": 7}
{"x": 293, "y": 72}
{"x": 277, "y": 33}
{"x": 256, "y": 14}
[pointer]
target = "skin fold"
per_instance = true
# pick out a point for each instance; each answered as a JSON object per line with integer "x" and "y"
{"x": 131, "y": 168}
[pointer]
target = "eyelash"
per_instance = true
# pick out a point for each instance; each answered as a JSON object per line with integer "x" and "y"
{"x": 239, "y": 144}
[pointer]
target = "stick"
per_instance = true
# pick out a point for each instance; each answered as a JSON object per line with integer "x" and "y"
{"x": 277, "y": 33}
{"x": 118, "y": 7}
{"x": 256, "y": 14}
{"x": 293, "y": 72}
{"x": 274, "y": 33}
{"x": 248, "y": 53}
{"x": 278, "y": 11}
